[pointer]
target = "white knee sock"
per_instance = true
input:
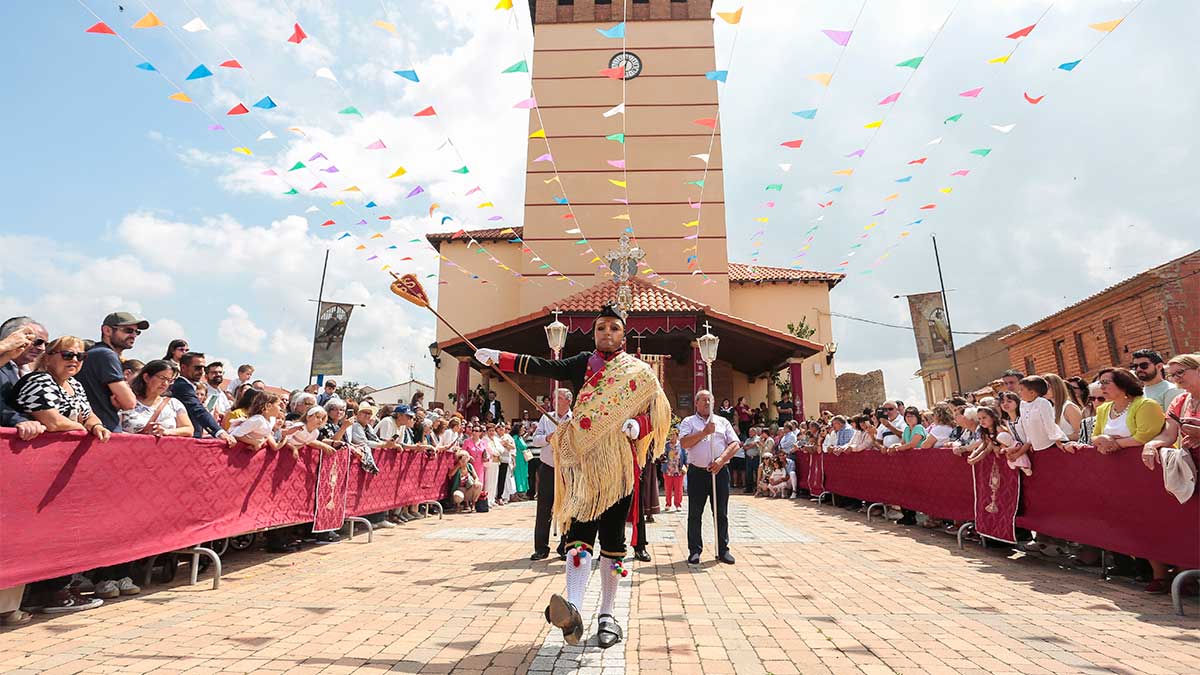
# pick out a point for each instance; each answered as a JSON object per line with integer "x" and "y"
{"x": 577, "y": 577}
{"x": 608, "y": 586}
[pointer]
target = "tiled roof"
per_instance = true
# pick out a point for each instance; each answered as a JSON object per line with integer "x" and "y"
{"x": 741, "y": 273}
{"x": 489, "y": 234}
{"x": 646, "y": 298}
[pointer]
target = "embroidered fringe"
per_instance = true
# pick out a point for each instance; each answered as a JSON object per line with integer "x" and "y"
{"x": 594, "y": 466}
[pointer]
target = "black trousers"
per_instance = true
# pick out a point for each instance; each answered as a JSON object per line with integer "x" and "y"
{"x": 535, "y": 465}
{"x": 610, "y": 527}
{"x": 648, "y": 472}
{"x": 545, "y": 506}
{"x": 699, "y": 489}
{"x": 502, "y": 478}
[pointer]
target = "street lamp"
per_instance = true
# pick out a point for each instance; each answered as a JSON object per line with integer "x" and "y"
{"x": 435, "y": 352}
{"x": 556, "y": 337}
{"x": 708, "y": 350}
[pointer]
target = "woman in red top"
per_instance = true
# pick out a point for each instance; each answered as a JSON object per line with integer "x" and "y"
{"x": 744, "y": 416}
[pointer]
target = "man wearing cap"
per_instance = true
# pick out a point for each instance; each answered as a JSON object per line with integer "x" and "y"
{"x": 102, "y": 376}
{"x": 620, "y": 413}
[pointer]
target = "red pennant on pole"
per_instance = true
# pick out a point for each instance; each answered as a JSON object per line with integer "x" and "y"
{"x": 101, "y": 28}
{"x": 298, "y": 35}
{"x": 238, "y": 109}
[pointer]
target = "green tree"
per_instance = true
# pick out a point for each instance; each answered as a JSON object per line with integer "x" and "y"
{"x": 801, "y": 330}
{"x": 349, "y": 391}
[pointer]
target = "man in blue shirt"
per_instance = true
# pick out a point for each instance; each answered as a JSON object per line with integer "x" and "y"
{"x": 103, "y": 376}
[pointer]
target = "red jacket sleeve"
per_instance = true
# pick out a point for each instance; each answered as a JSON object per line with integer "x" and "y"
{"x": 644, "y": 425}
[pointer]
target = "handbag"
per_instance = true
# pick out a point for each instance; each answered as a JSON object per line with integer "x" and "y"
{"x": 528, "y": 455}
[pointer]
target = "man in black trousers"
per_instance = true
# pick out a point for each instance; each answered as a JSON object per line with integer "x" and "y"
{"x": 545, "y": 495}
{"x": 710, "y": 442}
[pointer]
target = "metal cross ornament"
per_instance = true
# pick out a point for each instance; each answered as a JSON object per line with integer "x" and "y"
{"x": 624, "y": 265}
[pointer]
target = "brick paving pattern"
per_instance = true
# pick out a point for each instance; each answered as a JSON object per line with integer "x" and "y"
{"x": 815, "y": 590}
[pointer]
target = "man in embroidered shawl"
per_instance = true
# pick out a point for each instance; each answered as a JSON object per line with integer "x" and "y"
{"x": 620, "y": 413}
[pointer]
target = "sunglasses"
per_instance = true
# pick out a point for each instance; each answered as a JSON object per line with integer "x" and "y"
{"x": 1099, "y": 399}
{"x": 72, "y": 356}
{"x": 130, "y": 330}
{"x": 1146, "y": 365}
{"x": 39, "y": 342}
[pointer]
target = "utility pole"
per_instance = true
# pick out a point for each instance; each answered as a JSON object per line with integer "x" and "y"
{"x": 317, "y": 323}
{"x": 946, "y": 307}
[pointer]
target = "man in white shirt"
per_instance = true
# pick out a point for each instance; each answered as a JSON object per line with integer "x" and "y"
{"x": 710, "y": 442}
{"x": 217, "y": 401}
{"x": 546, "y": 427}
{"x": 891, "y": 425}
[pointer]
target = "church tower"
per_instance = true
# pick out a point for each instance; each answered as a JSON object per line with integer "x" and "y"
{"x": 666, "y": 50}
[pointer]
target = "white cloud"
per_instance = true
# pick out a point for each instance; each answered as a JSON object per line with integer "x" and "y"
{"x": 238, "y": 330}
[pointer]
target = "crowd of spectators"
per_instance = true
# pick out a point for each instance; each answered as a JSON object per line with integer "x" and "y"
{"x": 67, "y": 383}
{"x": 70, "y": 383}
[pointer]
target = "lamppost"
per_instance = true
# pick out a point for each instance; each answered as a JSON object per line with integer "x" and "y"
{"x": 556, "y": 337}
{"x": 708, "y": 353}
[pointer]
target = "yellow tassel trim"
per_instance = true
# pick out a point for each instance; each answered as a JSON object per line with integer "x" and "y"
{"x": 594, "y": 465}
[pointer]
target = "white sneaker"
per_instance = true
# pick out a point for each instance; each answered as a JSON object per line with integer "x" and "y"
{"x": 107, "y": 590}
{"x": 386, "y": 524}
{"x": 127, "y": 587}
{"x": 1032, "y": 546}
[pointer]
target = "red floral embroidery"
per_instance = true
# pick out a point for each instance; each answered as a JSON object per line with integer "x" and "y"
{"x": 632, "y": 385}
{"x": 585, "y": 423}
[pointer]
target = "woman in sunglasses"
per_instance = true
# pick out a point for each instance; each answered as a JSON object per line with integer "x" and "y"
{"x": 155, "y": 414}
{"x": 175, "y": 351}
{"x": 52, "y": 395}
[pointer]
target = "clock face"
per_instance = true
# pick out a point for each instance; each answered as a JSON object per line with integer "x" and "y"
{"x": 631, "y": 61}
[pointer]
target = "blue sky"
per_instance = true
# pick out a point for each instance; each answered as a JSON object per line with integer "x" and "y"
{"x": 124, "y": 199}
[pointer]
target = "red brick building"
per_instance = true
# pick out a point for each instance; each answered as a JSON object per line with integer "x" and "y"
{"x": 1157, "y": 309}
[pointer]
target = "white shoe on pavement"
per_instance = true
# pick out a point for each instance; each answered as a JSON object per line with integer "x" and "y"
{"x": 126, "y": 586}
{"x": 107, "y": 590}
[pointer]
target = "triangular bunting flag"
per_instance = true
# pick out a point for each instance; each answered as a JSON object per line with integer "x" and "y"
{"x": 239, "y": 109}
{"x": 231, "y": 63}
{"x": 350, "y": 110}
{"x": 195, "y": 25}
{"x": 200, "y": 71}
{"x": 1000, "y": 59}
{"x": 971, "y": 93}
{"x": 806, "y": 114}
{"x": 1106, "y": 26}
{"x": 793, "y": 144}
{"x": 1021, "y": 33}
{"x": 377, "y": 145}
{"x": 398, "y": 172}
{"x": 840, "y": 37}
{"x": 731, "y": 17}
{"x": 617, "y": 31}
{"x": 518, "y": 67}
{"x": 181, "y": 97}
{"x": 823, "y": 78}
{"x": 1069, "y": 65}
{"x": 148, "y": 21}
{"x": 718, "y": 75}
{"x": 426, "y": 112}
{"x": 266, "y": 103}
{"x": 540, "y": 133}
{"x": 461, "y": 169}
{"x": 100, "y": 28}
{"x": 297, "y": 166}
{"x": 913, "y": 63}
{"x": 410, "y": 75}
{"x": 298, "y": 34}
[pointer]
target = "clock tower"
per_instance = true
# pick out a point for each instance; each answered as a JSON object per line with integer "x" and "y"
{"x": 636, "y": 184}
{"x": 666, "y": 50}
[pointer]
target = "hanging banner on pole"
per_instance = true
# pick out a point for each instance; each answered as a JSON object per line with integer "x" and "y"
{"x": 932, "y": 331}
{"x": 331, "y": 329}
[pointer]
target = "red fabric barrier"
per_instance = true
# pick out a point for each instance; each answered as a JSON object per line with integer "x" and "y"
{"x": 1112, "y": 502}
{"x": 331, "y": 491}
{"x": 69, "y": 503}
{"x": 404, "y": 479}
{"x": 801, "y": 466}
{"x": 932, "y": 480}
{"x": 814, "y": 477}
{"x": 997, "y": 496}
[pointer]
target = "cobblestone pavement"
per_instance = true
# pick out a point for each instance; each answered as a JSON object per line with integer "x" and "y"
{"x": 815, "y": 589}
